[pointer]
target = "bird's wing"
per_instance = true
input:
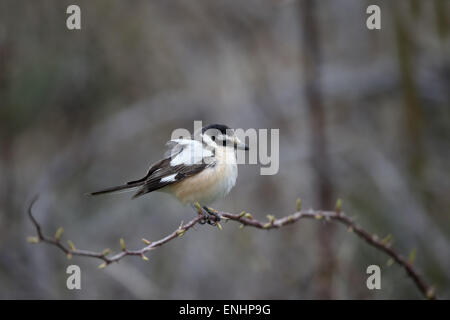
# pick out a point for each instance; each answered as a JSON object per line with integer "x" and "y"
{"x": 187, "y": 158}
{"x": 175, "y": 147}
{"x": 188, "y": 152}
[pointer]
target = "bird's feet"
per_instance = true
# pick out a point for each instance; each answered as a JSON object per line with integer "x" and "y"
{"x": 212, "y": 216}
{"x": 209, "y": 215}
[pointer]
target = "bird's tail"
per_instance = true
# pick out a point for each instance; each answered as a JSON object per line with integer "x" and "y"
{"x": 118, "y": 189}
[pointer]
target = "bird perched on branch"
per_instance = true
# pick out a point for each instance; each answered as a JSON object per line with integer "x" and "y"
{"x": 196, "y": 171}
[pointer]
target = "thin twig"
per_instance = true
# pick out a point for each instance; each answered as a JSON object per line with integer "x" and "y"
{"x": 372, "y": 240}
{"x": 72, "y": 251}
{"x": 246, "y": 219}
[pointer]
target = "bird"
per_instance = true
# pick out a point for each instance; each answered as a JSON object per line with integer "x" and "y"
{"x": 196, "y": 170}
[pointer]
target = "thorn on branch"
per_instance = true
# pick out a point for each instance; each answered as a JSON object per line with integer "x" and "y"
{"x": 412, "y": 256}
{"x": 122, "y": 244}
{"x": 58, "y": 233}
{"x": 387, "y": 240}
{"x": 431, "y": 293}
{"x": 71, "y": 245}
{"x": 338, "y": 208}
{"x": 199, "y": 208}
{"x": 33, "y": 239}
{"x": 248, "y": 216}
{"x": 298, "y": 205}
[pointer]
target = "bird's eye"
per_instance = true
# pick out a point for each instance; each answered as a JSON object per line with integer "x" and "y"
{"x": 213, "y": 138}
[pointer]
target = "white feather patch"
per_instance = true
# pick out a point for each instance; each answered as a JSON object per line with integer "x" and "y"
{"x": 193, "y": 153}
{"x": 169, "y": 178}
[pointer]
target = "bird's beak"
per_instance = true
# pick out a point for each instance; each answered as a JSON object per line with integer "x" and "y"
{"x": 238, "y": 144}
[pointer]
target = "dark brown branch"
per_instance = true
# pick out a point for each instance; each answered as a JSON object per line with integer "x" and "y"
{"x": 70, "y": 250}
{"x": 372, "y": 240}
{"x": 246, "y": 219}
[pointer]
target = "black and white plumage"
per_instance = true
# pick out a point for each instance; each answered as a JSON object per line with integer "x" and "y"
{"x": 193, "y": 170}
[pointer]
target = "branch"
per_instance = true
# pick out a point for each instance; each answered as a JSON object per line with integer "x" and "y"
{"x": 70, "y": 250}
{"x": 246, "y": 219}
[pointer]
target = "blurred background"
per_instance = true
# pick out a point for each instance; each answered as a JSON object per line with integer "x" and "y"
{"x": 363, "y": 116}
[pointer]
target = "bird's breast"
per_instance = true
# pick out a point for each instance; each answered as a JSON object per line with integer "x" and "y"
{"x": 210, "y": 184}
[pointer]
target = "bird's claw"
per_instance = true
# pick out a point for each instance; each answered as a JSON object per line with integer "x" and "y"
{"x": 210, "y": 216}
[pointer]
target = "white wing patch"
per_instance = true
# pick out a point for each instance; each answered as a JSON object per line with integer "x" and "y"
{"x": 193, "y": 152}
{"x": 169, "y": 178}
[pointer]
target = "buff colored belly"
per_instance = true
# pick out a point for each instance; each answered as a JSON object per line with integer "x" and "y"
{"x": 207, "y": 186}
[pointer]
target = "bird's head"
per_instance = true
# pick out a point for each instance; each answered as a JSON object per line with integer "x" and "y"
{"x": 219, "y": 135}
